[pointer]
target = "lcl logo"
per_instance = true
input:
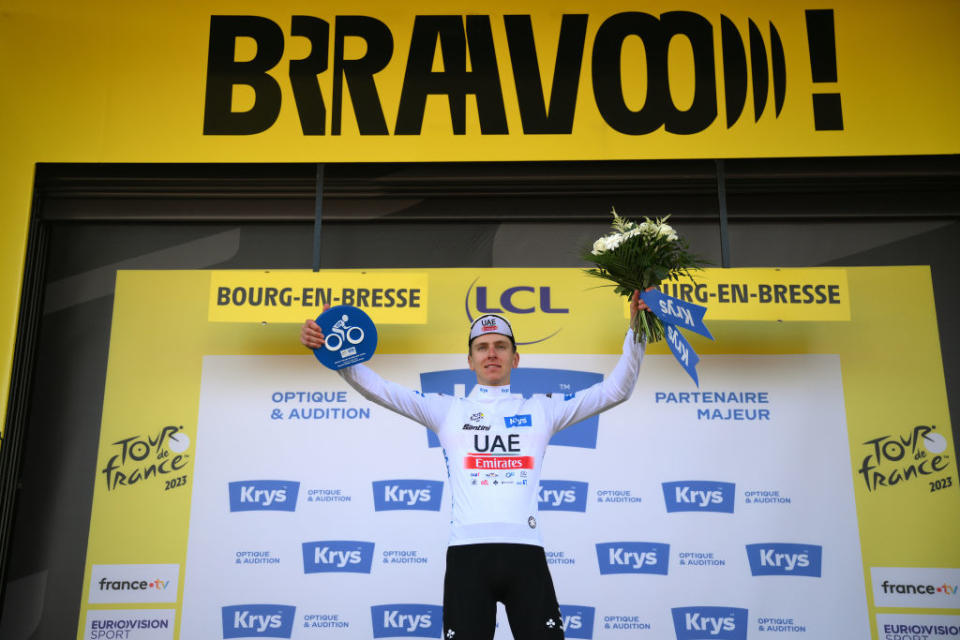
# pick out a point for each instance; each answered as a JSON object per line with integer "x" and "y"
{"x": 519, "y": 299}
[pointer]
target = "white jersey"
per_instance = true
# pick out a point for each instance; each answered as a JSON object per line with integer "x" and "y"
{"x": 494, "y": 440}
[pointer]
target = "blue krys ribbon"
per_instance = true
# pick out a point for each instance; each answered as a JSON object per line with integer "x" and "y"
{"x": 679, "y": 314}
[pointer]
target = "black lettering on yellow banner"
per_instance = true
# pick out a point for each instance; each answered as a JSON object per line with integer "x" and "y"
{"x": 292, "y": 296}
{"x": 474, "y": 67}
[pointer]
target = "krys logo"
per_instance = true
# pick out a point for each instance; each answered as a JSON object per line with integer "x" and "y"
{"x": 398, "y": 495}
{"x": 258, "y": 621}
{"x": 894, "y": 459}
{"x": 699, "y": 495}
{"x": 141, "y": 458}
{"x": 519, "y": 299}
{"x": 406, "y": 620}
{"x": 562, "y": 495}
{"x": 263, "y": 495}
{"x": 577, "y": 621}
{"x": 722, "y": 623}
{"x": 633, "y": 557}
{"x": 327, "y": 556}
{"x": 785, "y": 559}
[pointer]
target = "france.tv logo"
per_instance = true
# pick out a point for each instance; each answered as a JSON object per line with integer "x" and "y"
{"x": 406, "y": 620}
{"x": 562, "y": 495}
{"x": 577, "y": 621}
{"x": 258, "y": 621}
{"x": 633, "y": 557}
{"x": 264, "y": 495}
{"x": 527, "y": 381}
{"x": 785, "y": 559}
{"x": 399, "y": 495}
{"x": 699, "y": 495}
{"x": 720, "y": 623}
{"x": 331, "y": 556}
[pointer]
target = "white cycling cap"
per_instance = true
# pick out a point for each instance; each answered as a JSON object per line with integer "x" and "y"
{"x": 490, "y": 324}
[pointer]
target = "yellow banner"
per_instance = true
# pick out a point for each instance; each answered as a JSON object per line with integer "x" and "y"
{"x": 766, "y": 294}
{"x": 292, "y": 296}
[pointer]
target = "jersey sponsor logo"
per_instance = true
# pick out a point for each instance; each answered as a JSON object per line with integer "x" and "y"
{"x": 496, "y": 443}
{"x": 327, "y": 556}
{"x": 263, "y": 495}
{"x": 490, "y": 461}
{"x": 397, "y": 495}
{"x": 519, "y": 420}
{"x": 406, "y": 620}
{"x": 720, "y": 623}
{"x": 633, "y": 557}
{"x": 476, "y": 427}
{"x": 526, "y": 381}
{"x": 785, "y": 559}
{"x": 577, "y": 621}
{"x": 258, "y": 621}
{"x": 562, "y": 495}
{"x": 699, "y": 495}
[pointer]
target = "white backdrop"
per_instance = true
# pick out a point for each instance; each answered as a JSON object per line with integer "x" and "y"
{"x": 309, "y": 484}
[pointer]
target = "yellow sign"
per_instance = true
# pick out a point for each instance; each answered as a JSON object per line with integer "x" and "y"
{"x": 766, "y": 294}
{"x": 292, "y": 296}
{"x": 373, "y": 81}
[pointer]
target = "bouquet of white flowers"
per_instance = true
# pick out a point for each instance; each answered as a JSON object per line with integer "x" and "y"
{"x": 637, "y": 256}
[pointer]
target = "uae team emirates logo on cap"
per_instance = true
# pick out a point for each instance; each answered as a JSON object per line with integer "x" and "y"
{"x": 490, "y": 324}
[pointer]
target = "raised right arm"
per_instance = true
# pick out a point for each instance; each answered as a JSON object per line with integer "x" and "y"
{"x": 430, "y": 411}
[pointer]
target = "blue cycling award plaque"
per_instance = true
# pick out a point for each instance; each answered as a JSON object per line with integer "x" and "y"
{"x": 350, "y": 337}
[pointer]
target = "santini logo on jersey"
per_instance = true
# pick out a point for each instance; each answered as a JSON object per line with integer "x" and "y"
{"x": 699, "y": 495}
{"x": 520, "y": 420}
{"x": 785, "y": 559}
{"x": 263, "y": 495}
{"x": 258, "y": 621}
{"x": 406, "y": 620}
{"x": 577, "y": 621}
{"x": 337, "y": 556}
{"x": 633, "y": 557}
{"x": 395, "y": 495}
{"x": 562, "y": 495}
{"x": 721, "y": 623}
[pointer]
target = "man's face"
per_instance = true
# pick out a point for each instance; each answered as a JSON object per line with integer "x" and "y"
{"x": 492, "y": 357}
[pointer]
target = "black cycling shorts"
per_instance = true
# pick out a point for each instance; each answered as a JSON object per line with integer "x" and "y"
{"x": 480, "y": 575}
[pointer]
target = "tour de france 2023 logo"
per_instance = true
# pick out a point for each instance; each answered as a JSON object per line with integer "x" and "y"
{"x": 150, "y": 457}
{"x": 915, "y": 454}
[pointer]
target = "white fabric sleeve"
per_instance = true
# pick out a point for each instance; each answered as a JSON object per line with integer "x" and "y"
{"x": 613, "y": 390}
{"x": 429, "y": 410}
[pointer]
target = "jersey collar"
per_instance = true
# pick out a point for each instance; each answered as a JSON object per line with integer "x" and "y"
{"x": 485, "y": 392}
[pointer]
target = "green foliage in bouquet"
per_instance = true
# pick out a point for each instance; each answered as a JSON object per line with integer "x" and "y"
{"x": 637, "y": 256}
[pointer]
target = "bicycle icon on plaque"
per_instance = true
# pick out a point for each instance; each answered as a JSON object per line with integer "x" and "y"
{"x": 350, "y": 337}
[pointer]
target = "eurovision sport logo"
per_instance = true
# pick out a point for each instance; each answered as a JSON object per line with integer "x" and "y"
{"x": 400, "y": 495}
{"x": 263, "y": 495}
